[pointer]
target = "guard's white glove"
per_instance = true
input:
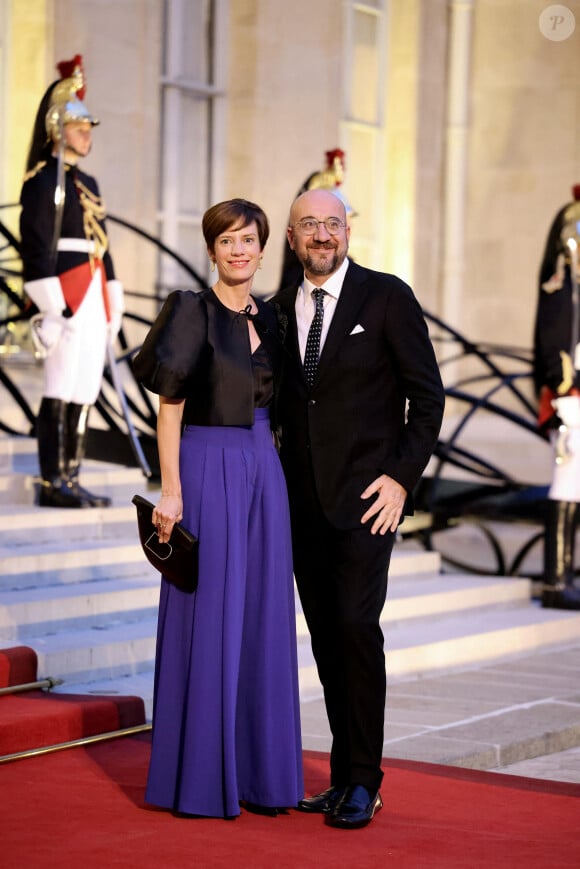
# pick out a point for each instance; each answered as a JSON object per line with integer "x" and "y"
{"x": 114, "y": 325}
{"x": 47, "y": 330}
{"x": 47, "y": 327}
{"x": 117, "y": 308}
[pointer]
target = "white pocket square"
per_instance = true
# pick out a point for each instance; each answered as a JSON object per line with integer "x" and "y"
{"x": 358, "y": 328}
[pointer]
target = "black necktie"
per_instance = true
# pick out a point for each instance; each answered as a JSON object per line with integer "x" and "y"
{"x": 312, "y": 351}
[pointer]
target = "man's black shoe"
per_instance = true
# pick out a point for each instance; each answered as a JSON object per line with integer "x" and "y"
{"x": 356, "y": 808}
{"x": 322, "y": 803}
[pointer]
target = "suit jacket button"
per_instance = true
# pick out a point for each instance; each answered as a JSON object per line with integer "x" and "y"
{"x": 311, "y": 402}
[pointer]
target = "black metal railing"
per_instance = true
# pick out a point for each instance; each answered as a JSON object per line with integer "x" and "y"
{"x": 111, "y": 441}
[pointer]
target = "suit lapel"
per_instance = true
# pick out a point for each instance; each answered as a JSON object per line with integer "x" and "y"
{"x": 351, "y": 299}
{"x": 287, "y": 300}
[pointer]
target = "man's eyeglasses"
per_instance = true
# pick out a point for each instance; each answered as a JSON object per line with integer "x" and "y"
{"x": 309, "y": 226}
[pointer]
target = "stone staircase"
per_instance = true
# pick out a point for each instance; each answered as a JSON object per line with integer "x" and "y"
{"x": 74, "y": 586}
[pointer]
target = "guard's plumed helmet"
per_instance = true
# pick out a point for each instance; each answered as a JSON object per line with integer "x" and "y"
{"x": 66, "y": 97}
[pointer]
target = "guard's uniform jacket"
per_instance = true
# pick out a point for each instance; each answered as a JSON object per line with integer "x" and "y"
{"x": 554, "y": 369}
{"x": 76, "y": 290}
{"x": 556, "y": 378}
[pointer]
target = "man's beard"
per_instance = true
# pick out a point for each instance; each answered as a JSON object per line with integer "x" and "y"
{"x": 322, "y": 268}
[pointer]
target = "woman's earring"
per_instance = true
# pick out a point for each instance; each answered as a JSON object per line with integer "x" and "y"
{"x": 213, "y": 265}
{"x": 260, "y": 262}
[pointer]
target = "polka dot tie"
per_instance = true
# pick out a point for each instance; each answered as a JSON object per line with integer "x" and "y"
{"x": 313, "y": 341}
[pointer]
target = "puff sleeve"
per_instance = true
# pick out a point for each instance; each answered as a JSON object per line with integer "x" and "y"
{"x": 172, "y": 354}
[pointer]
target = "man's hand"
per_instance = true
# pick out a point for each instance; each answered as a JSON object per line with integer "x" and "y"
{"x": 387, "y": 506}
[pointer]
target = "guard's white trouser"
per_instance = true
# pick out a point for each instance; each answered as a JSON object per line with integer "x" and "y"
{"x": 566, "y": 480}
{"x": 74, "y": 369}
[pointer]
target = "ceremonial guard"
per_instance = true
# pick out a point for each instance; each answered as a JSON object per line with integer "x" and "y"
{"x": 69, "y": 275}
{"x": 557, "y": 382}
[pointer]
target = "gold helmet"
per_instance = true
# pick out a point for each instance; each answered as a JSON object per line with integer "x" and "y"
{"x": 66, "y": 97}
{"x": 332, "y": 177}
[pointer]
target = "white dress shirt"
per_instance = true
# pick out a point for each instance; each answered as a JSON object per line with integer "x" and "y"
{"x": 305, "y": 305}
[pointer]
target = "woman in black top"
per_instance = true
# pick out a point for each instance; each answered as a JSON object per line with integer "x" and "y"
{"x": 226, "y": 727}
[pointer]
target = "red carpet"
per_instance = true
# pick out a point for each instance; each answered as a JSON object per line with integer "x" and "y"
{"x": 83, "y": 809}
{"x": 34, "y": 719}
{"x": 17, "y": 665}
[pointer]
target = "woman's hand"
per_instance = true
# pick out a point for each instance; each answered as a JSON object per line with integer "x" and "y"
{"x": 168, "y": 511}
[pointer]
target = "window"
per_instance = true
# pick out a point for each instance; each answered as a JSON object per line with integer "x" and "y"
{"x": 362, "y": 128}
{"x": 192, "y": 92}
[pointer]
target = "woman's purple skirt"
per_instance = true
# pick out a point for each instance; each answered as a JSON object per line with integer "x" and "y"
{"x": 226, "y": 719}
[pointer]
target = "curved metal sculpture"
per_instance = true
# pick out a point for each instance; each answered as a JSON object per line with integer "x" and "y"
{"x": 464, "y": 486}
{"x": 123, "y": 405}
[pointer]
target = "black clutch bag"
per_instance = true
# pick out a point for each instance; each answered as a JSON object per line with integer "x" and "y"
{"x": 177, "y": 560}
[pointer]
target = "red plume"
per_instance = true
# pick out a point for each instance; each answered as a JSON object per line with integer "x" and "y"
{"x": 331, "y": 156}
{"x": 576, "y": 192}
{"x": 67, "y": 67}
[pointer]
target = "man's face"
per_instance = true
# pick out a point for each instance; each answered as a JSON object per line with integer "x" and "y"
{"x": 321, "y": 252}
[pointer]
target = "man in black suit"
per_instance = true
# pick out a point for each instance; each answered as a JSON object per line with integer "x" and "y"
{"x": 360, "y": 417}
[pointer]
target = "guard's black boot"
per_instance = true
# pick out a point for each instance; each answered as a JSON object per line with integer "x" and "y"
{"x": 50, "y": 432}
{"x": 77, "y": 416}
{"x": 559, "y": 590}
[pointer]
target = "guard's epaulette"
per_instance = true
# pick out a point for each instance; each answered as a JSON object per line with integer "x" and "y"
{"x": 35, "y": 170}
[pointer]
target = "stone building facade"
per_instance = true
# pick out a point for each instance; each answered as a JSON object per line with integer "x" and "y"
{"x": 460, "y": 122}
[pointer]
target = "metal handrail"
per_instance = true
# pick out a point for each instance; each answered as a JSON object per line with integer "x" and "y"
{"x": 47, "y": 683}
{"x": 76, "y": 743}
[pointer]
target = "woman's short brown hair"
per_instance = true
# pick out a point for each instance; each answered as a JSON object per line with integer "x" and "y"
{"x": 233, "y": 214}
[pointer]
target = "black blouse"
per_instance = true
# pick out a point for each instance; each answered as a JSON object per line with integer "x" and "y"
{"x": 199, "y": 350}
{"x": 263, "y": 377}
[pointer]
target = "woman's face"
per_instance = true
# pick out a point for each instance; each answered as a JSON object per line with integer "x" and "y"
{"x": 237, "y": 253}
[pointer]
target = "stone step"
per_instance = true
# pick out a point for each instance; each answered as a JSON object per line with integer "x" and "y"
{"x": 44, "y": 547}
{"x": 23, "y": 524}
{"x": 19, "y": 475}
{"x": 475, "y": 636}
{"x": 427, "y": 596}
{"x": 11, "y": 447}
{"x": 117, "y": 482}
{"x": 57, "y": 563}
{"x": 424, "y": 646}
{"x": 421, "y": 647}
{"x": 101, "y": 653}
{"x": 26, "y": 615}
{"x": 424, "y": 595}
